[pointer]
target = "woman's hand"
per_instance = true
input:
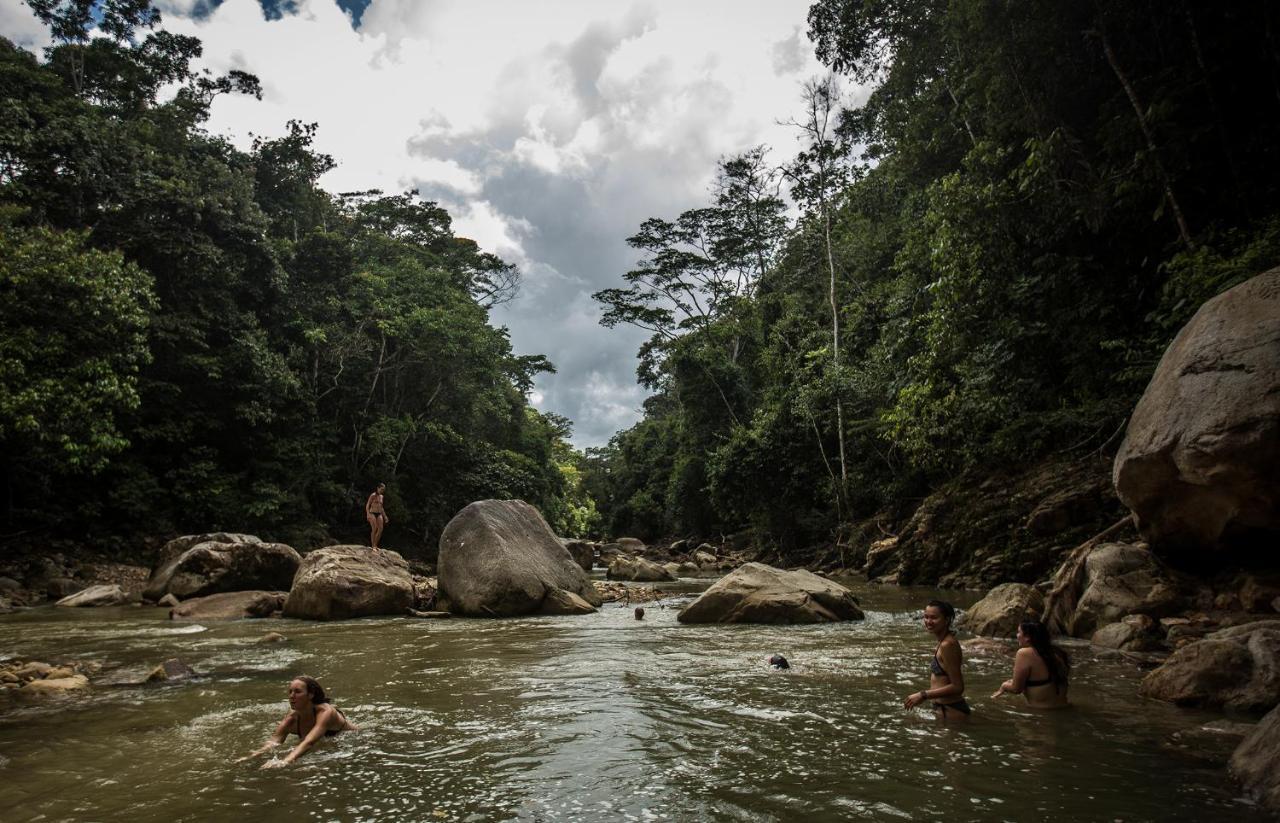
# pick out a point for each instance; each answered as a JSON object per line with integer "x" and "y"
{"x": 1005, "y": 688}
{"x": 914, "y": 700}
{"x": 263, "y": 749}
{"x": 275, "y": 764}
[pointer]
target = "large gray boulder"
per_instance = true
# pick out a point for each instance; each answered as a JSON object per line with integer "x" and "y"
{"x": 1236, "y": 669}
{"x": 1200, "y": 462}
{"x": 582, "y": 552}
{"x": 999, "y": 613}
{"x": 1256, "y": 763}
{"x": 230, "y": 606}
{"x": 1121, "y": 579}
{"x": 342, "y": 582}
{"x": 103, "y": 595}
{"x": 756, "y": 593}
{"x": 638, "y": 569}
{"x": 213, "y": 566}
{"x": 499, "y": 558}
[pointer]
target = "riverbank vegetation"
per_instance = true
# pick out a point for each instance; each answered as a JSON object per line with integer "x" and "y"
{"x": 198, "y": 334}
{"x": 992, "y": 251}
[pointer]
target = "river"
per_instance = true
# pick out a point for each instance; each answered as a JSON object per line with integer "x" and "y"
{"x": 580, "y": 718}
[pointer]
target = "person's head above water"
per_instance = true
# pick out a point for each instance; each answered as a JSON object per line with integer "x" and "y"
{"x": 304, "y": 691}
{"x": 777, "y": 661}
{"x": 639, "y": 612}
{"x": 938, "y": 616}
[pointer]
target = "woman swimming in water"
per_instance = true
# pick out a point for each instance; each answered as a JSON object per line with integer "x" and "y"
{"x": 946, "y": 681}
{"x": 311, "y": 716}
{"x": 1040, "y": 669}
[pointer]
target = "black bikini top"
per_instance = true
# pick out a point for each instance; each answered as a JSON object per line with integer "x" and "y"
{"x": 936, "y": 666}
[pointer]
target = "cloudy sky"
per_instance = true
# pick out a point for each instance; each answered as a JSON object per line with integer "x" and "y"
{"x": 549, "y": 130}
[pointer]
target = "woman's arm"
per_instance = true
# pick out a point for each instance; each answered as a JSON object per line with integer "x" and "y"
{"x": 277, "y": 737}
{"x": 324, "y": 716}
{"x": 1021, "y": 671}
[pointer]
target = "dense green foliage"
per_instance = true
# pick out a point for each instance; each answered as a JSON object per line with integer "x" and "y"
{"x": 991, "y": 254}
{"x": 197, "y": 338}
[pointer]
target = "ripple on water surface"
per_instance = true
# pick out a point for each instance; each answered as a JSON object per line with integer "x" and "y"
{"x": 581, "y": 718}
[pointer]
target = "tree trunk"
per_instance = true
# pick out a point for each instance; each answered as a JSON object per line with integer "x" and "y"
{"x": 1183, "y": 230}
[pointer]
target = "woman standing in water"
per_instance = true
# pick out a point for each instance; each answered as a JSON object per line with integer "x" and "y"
{"x": 311, "y": 716}
{"x": 375, "y": 512}
{"x": 1040, "y": 669}
{"x": 946, "y": 681}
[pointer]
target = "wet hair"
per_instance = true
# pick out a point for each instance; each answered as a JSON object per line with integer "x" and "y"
{"x": 639, "y": 612}
{"x": 1055, "y": 660}
{"x": 948, "y": 611}
{"x": 314, "y": 689}
{"x": 779, "y": 662}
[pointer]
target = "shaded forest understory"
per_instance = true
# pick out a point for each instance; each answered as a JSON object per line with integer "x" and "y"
{"x": 943, "y": 341}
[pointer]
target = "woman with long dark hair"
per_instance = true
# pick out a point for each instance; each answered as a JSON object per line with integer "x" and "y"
{"x": 1040, "y": 669}
{"x": 311, "y": 716}
{"x": 946, "y": 680}
{"x": 375, "y": 511}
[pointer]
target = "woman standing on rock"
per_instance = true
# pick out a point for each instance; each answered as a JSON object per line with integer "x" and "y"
{"x": 946, "y": 681}
{"x": 311, "y": 716}
{"x": 1040, "y": 669}
{"x": 375, "y": 512}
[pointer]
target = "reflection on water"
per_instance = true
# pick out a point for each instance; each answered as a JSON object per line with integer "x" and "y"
{"x": 577, "y": 718}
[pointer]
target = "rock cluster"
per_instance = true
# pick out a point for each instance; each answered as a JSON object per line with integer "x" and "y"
{"x": 638, "y": 569}
{"x": 611, "y": 592}
{"x": 1236, "y": 669}
{"x": 37, "y": 679}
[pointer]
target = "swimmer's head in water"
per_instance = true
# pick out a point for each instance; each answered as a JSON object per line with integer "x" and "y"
{"x": 639, "y": 612}
{"x": 308, "y": 686}
{"x": 779, "y": 662}
{"x": 938, "y": 614}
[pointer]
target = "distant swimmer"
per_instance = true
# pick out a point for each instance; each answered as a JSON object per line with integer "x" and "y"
{"x": 375, "y": 511}
{"x": 777, "y": 661}
{"x": 311, "y": 716}
{"x": 946, "y": 681}
{"x": 639, "y": 612}
{"x": 1040, "y": 669}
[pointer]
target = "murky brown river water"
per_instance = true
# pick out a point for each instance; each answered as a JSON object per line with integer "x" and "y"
{"x": 579, "y": 718}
